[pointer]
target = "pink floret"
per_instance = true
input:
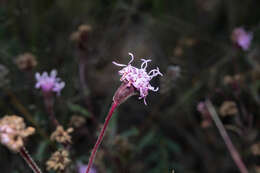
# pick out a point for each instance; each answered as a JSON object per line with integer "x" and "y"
{"x": 242, "y": 38}
{"x": 139, "y": 78}
{"x": 49, "y": 83}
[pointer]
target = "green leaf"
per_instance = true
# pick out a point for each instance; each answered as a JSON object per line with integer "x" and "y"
{"x": 146, "y": 140}
{"x": 131, "y": 132}
{"x": 173, "y": 147}
{"x": 78, "y": 109}
{"x": 40, "y": 151}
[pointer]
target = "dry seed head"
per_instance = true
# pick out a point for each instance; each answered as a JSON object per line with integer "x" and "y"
{"x": 26, "y": 61}
{"x": 13, "y": 131}
{"x": 228, "y": 108}
{"x": 58, "y": 161}
{"x": 62, "y": 136}
{"x": 77, "y": 121}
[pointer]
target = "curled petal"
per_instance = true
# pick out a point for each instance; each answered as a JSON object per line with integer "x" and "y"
{"x": 117, "y": 64}
{"x": 132, "y": 58}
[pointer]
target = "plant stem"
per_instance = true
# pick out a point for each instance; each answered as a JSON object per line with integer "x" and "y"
{"x": 48, "y": 101}
{"x": 26, "y": 156}
{"x": 234, "y": 153}
{"x": 101, "y": 135}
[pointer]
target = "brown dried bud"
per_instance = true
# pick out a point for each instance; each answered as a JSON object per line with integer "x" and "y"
{"x": 228, "y": 108}
{"x": 77, "y": 121}
{"x": 58, "y": 161}
{"x": 13, "y": 131}
{"x": 255, "y": 149}
{"x": 62, "y": 136}
{"x": 123, "y": 93}
{"x": 26, "y": 61}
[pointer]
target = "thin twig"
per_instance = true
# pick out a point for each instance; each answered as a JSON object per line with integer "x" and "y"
{"x": 234, "y": 153}
{"x": 26, "y": 156}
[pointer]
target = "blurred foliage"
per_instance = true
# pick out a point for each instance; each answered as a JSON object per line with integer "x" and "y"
{"x": 166, "y": 134}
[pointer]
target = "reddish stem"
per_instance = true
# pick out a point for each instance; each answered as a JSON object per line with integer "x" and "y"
{"x": 48, "y": 101}
{"x": 234, "y": 153}
{"x": 25, "y": 155}
{"x": 101, "y": 135}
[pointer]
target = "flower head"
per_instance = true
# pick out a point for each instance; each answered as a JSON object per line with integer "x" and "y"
{"x": 59, "y": 160}
{"x": 82, "y": 168}
{"x": 228, "y": 108}
{"x": 62, "y": 136}
{"x": 242, "y": 38}
{"x": 26, "y": 61}
{"x": 49, "y": 83}
{"x": 13, "y": 131}
{"x": 206, "y": 118}
{"x": 138, "y": 78}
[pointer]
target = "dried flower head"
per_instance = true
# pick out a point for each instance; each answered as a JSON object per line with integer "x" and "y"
{"x": 257, "y": 168}
{"x": 62, "y": 136}
{"x": 77, "y": 121}
{"x": 138, "y": 78}
{"x": 256, "y": 149}
{"x": 81, "y": 33}
{"x": 3, "y": 75}
{"x": 178, "y": 51}
{"x": 58, "y": 161}
{"x": 49, "y": 83}
{"x": 242, "y": 38}
{"x": 228, "y": 108}
{"x": 26, "y": 61}
{"x": 13, "y": 132}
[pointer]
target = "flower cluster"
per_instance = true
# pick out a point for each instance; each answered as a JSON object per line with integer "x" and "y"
{"x": 13, "y": 131}
{"x": 242, "y": 38}
{"x": 58, "y": 161}
{"x": 205, "y": 115}
{"x": 228, "y": 108}
{"x": 138, "y": 78}
{"x": 26, "y": 61}
{"x": 49, "y": 83}
{"x": 62, "y": 136}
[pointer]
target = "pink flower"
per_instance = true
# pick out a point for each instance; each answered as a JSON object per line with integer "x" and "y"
{"x": 49, "y": 83}
{"x": 242, "y": 38}
{"x": 139, "y": 78}
{"x": 82, "y": 169}
{"x": 202, "y": 108}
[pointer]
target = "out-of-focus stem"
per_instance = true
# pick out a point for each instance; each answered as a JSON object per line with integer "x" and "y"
{"x": 48, "y": 101}
{"x": 234, "y": 153}
{"x": 101, "y": 135}
{"x": 26, "y": 156}
{"x": 20, "y": 107}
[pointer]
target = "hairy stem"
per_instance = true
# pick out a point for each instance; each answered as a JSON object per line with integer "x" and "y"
{"x": 26, "y": 156}
{"x": 234, "y": 153}
{"x": 101, "y": 135}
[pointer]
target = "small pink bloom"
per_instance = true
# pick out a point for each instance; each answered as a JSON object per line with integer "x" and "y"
{"x": 242, "y": 38}
{"x": 139, "y": 78}
{"x": 49, "y": 83}
{"x": 82, "y": 169}
{"x": 202, "y": 108}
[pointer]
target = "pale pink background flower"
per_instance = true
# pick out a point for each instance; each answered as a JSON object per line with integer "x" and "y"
{"x": 139, "y": 78}
{"x": 83, "y": 168}
{"x": 242, "y": 38}
{"x": 49, "y": 83}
